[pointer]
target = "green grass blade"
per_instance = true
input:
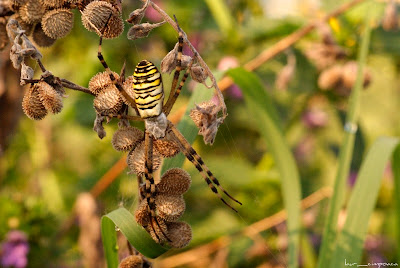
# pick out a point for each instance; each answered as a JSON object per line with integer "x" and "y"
{"x": 396, "y": 173}
{"x": 222, "y": 16}
{"x": 186, "y": 125}
{"x": 362, "y": 202}
{"x": 257, "y": 101}
{"x": 134, "y": 233}
{"x": 345, "y": 156}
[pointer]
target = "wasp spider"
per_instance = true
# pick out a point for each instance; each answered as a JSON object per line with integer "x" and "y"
{"x": 148, "y": 102}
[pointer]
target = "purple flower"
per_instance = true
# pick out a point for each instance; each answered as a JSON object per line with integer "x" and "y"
{"x": 14, "y": 250}
{"x": 315, "y": 118}
{"x": 351, "y": 180}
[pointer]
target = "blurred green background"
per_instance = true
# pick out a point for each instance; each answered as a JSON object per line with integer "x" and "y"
{"x": 48, "y": 163}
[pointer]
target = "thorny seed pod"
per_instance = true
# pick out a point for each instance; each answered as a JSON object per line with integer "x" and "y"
{"x": 17, "y": 2}
{"x": 132, "y": 261}
{"x": 128, "y": 86}
{"x": 168, "y": 63}
{"x": 108, "y": 101}
{"x": 198, "y": 73}
{"x": 166, "y": 148}
{"x": 100, "y": 81}
{"x": 26, "y": 73}
{"x": 95, "y": 16}
{"x": 4, "y": 40}
{"x": 136, "y": 160}
{"x": 170, "y": 207}
{"x": 142, "y": 213}
{"x": 174, "y": 182}
{"x": 40, "y": 38}
{"x": 180, "y": 234}
{"x": 350, "y": 75}
{"x": 32, "y": 105}
{"x": 52, "y": 3}
{"x": 137, "y": 15}
{"x": 323, "y": 55}
{"x": 58, "y": 23}
{"x": 50, "y": 98}
{"x": 32, "y": 11}
{"x": 390, "y": 20}
{"x": 126, "y": 139}
{"x": 205, "y": 116}
{"x": 142, "y": 30}
{"x": 330, "y": 77}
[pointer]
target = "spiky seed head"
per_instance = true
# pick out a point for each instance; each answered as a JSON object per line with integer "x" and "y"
{"x": 32, "y": 104}
{"x": 108, "y": 101}
{"x": 126, "y": 138}
{"x": 128, "y": 87}
{"x": 58, "y": 23}
{"x": 166, "y": 148}
{"x": 180, "y": 234}
{"x": 142, "y": 215}
{"x": 136, "y": 160}
{"x": 50, "y": 98}
{"x": 198, "y": 73}
{"x": 17, "y": 2}
{"x": 350, "y": 75}
{"x": 32, "y": 11}
{"x": 175, "y": 181}
{"x": 330, "y": 77}
{"x": 95, "y": 16}
{"x": 4, "y": 40}
{"x": 132, "y": 261}
{"x": 170, "y": 207}
{"x": 52, "y": 3}
{"x": 100, "y": 81}
{"x": 168, "y": 63}
{"x": 40, "y": 38}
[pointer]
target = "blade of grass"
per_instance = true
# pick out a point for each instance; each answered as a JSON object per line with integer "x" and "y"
{"x": 396, "y": 173}
{"x": 122, "y": 220}
{"x": 221, "y": 14}
{"x": 260, "y": 107}
{"x": 362, "y": 202}
{"x": 345, "y": 156}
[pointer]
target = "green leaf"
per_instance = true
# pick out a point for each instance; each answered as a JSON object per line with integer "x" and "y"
{"x": 362, "y": 202}
{"x": 396, "y": 173}
{"x": 122, "y": 220}
{"x": 260, "y": 107}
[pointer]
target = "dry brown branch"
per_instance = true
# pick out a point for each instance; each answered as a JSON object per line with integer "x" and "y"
{"x": 287, "y": 42}
{"x": 254, "y": 229}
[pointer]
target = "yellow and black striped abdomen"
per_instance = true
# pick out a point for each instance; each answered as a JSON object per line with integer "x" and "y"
{"x": 148, "y": 88}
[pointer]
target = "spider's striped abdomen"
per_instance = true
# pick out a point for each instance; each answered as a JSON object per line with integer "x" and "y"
{"x": 148, "y": 89}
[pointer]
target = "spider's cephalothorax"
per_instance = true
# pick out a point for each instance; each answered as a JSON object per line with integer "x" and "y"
{"x": 148, "y": 88}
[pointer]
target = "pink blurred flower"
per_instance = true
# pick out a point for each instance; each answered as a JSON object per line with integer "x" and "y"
{"x": 153, "y": 15}
{"x": 14, "y": 250}
{"x": 315, "y": 118}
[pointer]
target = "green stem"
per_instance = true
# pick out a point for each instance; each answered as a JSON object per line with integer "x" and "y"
{"x": 345, "y": 156}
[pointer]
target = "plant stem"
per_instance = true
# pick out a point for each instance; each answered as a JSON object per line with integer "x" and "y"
{"x": 345, "y": 156}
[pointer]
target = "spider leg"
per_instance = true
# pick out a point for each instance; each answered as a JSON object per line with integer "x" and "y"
{"x": 115, "y": 81}
{"x": 150, "y": 186}
{"x": 198, "y": 162}
{"x": 172, "y": 95}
